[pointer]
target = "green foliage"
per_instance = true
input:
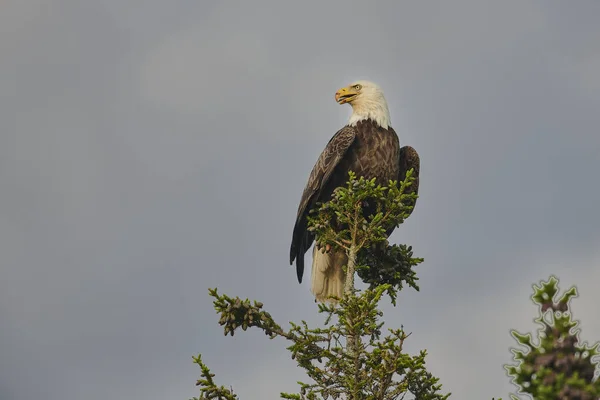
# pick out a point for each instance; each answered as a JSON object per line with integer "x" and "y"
{"x": 208, "y": 387}
{"x": 342, "y": 222}
{"x": 556, "y": 367}
{"x": 350, "y": 357}
{"x": 237, "y": 313}
{"x": 374, "y": 369}
{"x": 362, "y": 214}
{"x": 391, "y": 265}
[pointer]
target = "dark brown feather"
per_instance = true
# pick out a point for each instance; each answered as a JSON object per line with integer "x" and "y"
{"x": 319, "y": 176}
{"x": 409, "y": 159}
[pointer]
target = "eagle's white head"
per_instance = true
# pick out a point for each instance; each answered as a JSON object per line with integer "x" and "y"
{"x": 367, "y": 101}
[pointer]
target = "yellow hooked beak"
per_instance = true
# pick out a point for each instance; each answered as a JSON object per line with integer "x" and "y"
{"x": 346, "y": 94}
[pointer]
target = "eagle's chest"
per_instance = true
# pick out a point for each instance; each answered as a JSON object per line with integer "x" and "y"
{"x": 375, "y": 154}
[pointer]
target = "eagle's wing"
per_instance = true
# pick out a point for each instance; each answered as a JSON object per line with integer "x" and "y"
{"x": 409, "y": 159}
{"x": 319, "y": 176}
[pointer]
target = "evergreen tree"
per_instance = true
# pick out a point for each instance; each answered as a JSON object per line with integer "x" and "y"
{"x": 557, "y": 367}
{"x": 350, "y": 357}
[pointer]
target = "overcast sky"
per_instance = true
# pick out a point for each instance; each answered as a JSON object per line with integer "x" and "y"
{"x": 150, "y": 150}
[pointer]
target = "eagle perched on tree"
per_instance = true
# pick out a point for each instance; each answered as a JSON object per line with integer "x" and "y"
{"x": 369, "y": 147}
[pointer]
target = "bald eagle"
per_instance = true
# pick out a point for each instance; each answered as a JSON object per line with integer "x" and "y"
{"x": 368, "y": 146}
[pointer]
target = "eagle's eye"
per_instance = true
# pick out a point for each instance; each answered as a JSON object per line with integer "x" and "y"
{"x": 357, "y": 87}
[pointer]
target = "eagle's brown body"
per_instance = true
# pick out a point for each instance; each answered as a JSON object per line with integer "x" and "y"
{"x": 367, "y": 149}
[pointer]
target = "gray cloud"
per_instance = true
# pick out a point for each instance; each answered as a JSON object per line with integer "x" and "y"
{"x": 150, "y": 151}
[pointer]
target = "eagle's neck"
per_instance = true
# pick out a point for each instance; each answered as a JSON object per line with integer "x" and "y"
{"x": 376, "y": 110}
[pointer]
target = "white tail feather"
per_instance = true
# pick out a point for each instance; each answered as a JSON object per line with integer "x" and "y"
{"x": 327, "y": 276}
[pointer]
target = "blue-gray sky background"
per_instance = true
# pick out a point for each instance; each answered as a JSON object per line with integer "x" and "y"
{"x": 150, "y": 150}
